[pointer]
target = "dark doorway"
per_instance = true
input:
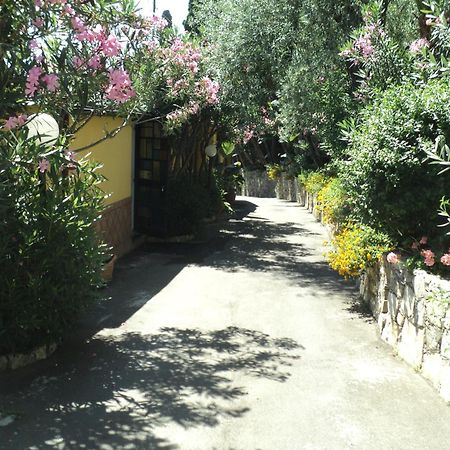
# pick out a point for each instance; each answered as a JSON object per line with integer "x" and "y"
{"x": 150, "y": 179}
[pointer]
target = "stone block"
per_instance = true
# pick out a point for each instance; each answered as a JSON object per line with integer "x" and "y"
{"x": 435, "y": 312}
{"x": 390, "y": 331}
{"x": 393, "y": 303}
{"x": 408, "y": 302}
{"x": 432, "y": 368}
{"x": 419, "y": 312}
{"x": 433, "y": 337}
{"x": 400, "y": 319}
{"x": 411, "y": 343}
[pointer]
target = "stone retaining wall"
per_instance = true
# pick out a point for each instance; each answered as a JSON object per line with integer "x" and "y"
{"x": 412, "y": 309}
{"x": 413, "y": 315}
{"x": 258, "y": 184}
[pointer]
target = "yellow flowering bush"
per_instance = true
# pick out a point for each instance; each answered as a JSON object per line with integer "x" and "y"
{"x": 331, "y": 201}
{"x": 273, "y": 171}
{"x": 313, "y": 181}
{"x": 357, "y": 247}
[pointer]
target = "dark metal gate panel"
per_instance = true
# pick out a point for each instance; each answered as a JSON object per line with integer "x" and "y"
{"x": 151, "y": 172}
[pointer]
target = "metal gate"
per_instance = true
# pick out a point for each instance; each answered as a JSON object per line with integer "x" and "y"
{"x": 151, "y": 172}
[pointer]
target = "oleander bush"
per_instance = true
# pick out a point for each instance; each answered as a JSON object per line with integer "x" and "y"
{"x": 386, "y": 177}
{"x": 51, "y": 257}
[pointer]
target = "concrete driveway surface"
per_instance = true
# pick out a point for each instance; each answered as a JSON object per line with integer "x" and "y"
{"x": 246, "y": 342}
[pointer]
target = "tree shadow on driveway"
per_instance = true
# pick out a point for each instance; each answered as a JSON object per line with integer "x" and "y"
{"x": 285, "y": 249}
{"x": 125, "y": 385}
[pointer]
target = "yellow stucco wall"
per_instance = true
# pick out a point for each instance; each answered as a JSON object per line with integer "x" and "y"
{"x": 115, "y": 154}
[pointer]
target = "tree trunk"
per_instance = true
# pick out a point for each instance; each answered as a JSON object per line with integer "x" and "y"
{"x": 424, "y": 29}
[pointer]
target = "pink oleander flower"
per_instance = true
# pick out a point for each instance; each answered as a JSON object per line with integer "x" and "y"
{"x": 119, "y": 88}
{"x": 152, "y": 46}
{"x": 194, "y": 108}
{"x": 428, "y": 257}
{"x": 52, "y": 81}
{"x": 364, "y": 45}
{"x": 21, "y": 119}
{"x": 393, "y": 258}
{"x": 38, "y": 3}
{"x": 68, "y": 11}
{"x": 77, "y": 62}
{"x": 33, "y": 45}
{"x": 94, "y": 62}
{"x": 445, "y": 259}
{"x": 71, "y": 155}
{"x": 417, "y": 45}
{"x": 11, "y": 123}
{"x": 249, "y": 133}
{"x": 193, "y": 67}
{"x": 32, "y": 83}
{"x": 157, "y": 22}
{"x": 38, "y": 22}
{"x": 77, "y": 24}
{"x": 43, "y": 165}
{"x": 423, "y": 240}
{"x": 110, "y": 46}
{"x": 415, "y": 245}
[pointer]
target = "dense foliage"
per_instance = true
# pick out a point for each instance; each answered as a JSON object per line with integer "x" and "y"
{"x": 385, "y": 177}
{"x": 50, "y": 254}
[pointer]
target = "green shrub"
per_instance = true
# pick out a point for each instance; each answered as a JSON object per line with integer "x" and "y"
{"x": 386, "y": 179}
{"x": 188, "y": 200}
{"x": 50, "y": 254}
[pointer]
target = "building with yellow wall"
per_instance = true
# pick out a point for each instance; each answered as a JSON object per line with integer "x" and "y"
{"x": 116, "y": 156}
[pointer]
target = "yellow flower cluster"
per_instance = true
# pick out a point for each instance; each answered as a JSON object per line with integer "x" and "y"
{"x": 273, "y": 171}
{"x": 355, "y": 248}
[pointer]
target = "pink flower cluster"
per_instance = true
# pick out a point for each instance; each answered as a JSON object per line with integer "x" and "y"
{"x": 34, "y": 77}
{"x": 418, "y": 45}
{"x": 183, "y": 54}
{"x": 119, "y": 88}
{"x": 210, "y": 89}
{"x": 52, "y": 81}
{"x": 15, "y": 121}
{"x": 43, "y": 165}
{"x": 32, "y": 83}
{"x": 393, "y": 258}
{"x": 445, "y": 259}
{"x": 428, "y": 257}
{"x": 156, "y": 22}
{"x": 248, "y": 134}
{"x": 364, "y": 45}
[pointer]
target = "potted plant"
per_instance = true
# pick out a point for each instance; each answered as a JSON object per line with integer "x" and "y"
{"x": 108, "y": 268}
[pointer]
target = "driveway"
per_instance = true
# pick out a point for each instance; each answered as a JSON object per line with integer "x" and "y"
{"x": 245, "y": 342}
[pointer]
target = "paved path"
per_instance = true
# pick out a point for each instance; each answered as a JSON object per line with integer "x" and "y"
{"x": 248, "y": 343}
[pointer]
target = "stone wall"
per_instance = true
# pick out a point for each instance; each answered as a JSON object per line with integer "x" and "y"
{"x": 286, "y": 188}
{"x": 413, "y": 314}
{"x": 257, "y": 184}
